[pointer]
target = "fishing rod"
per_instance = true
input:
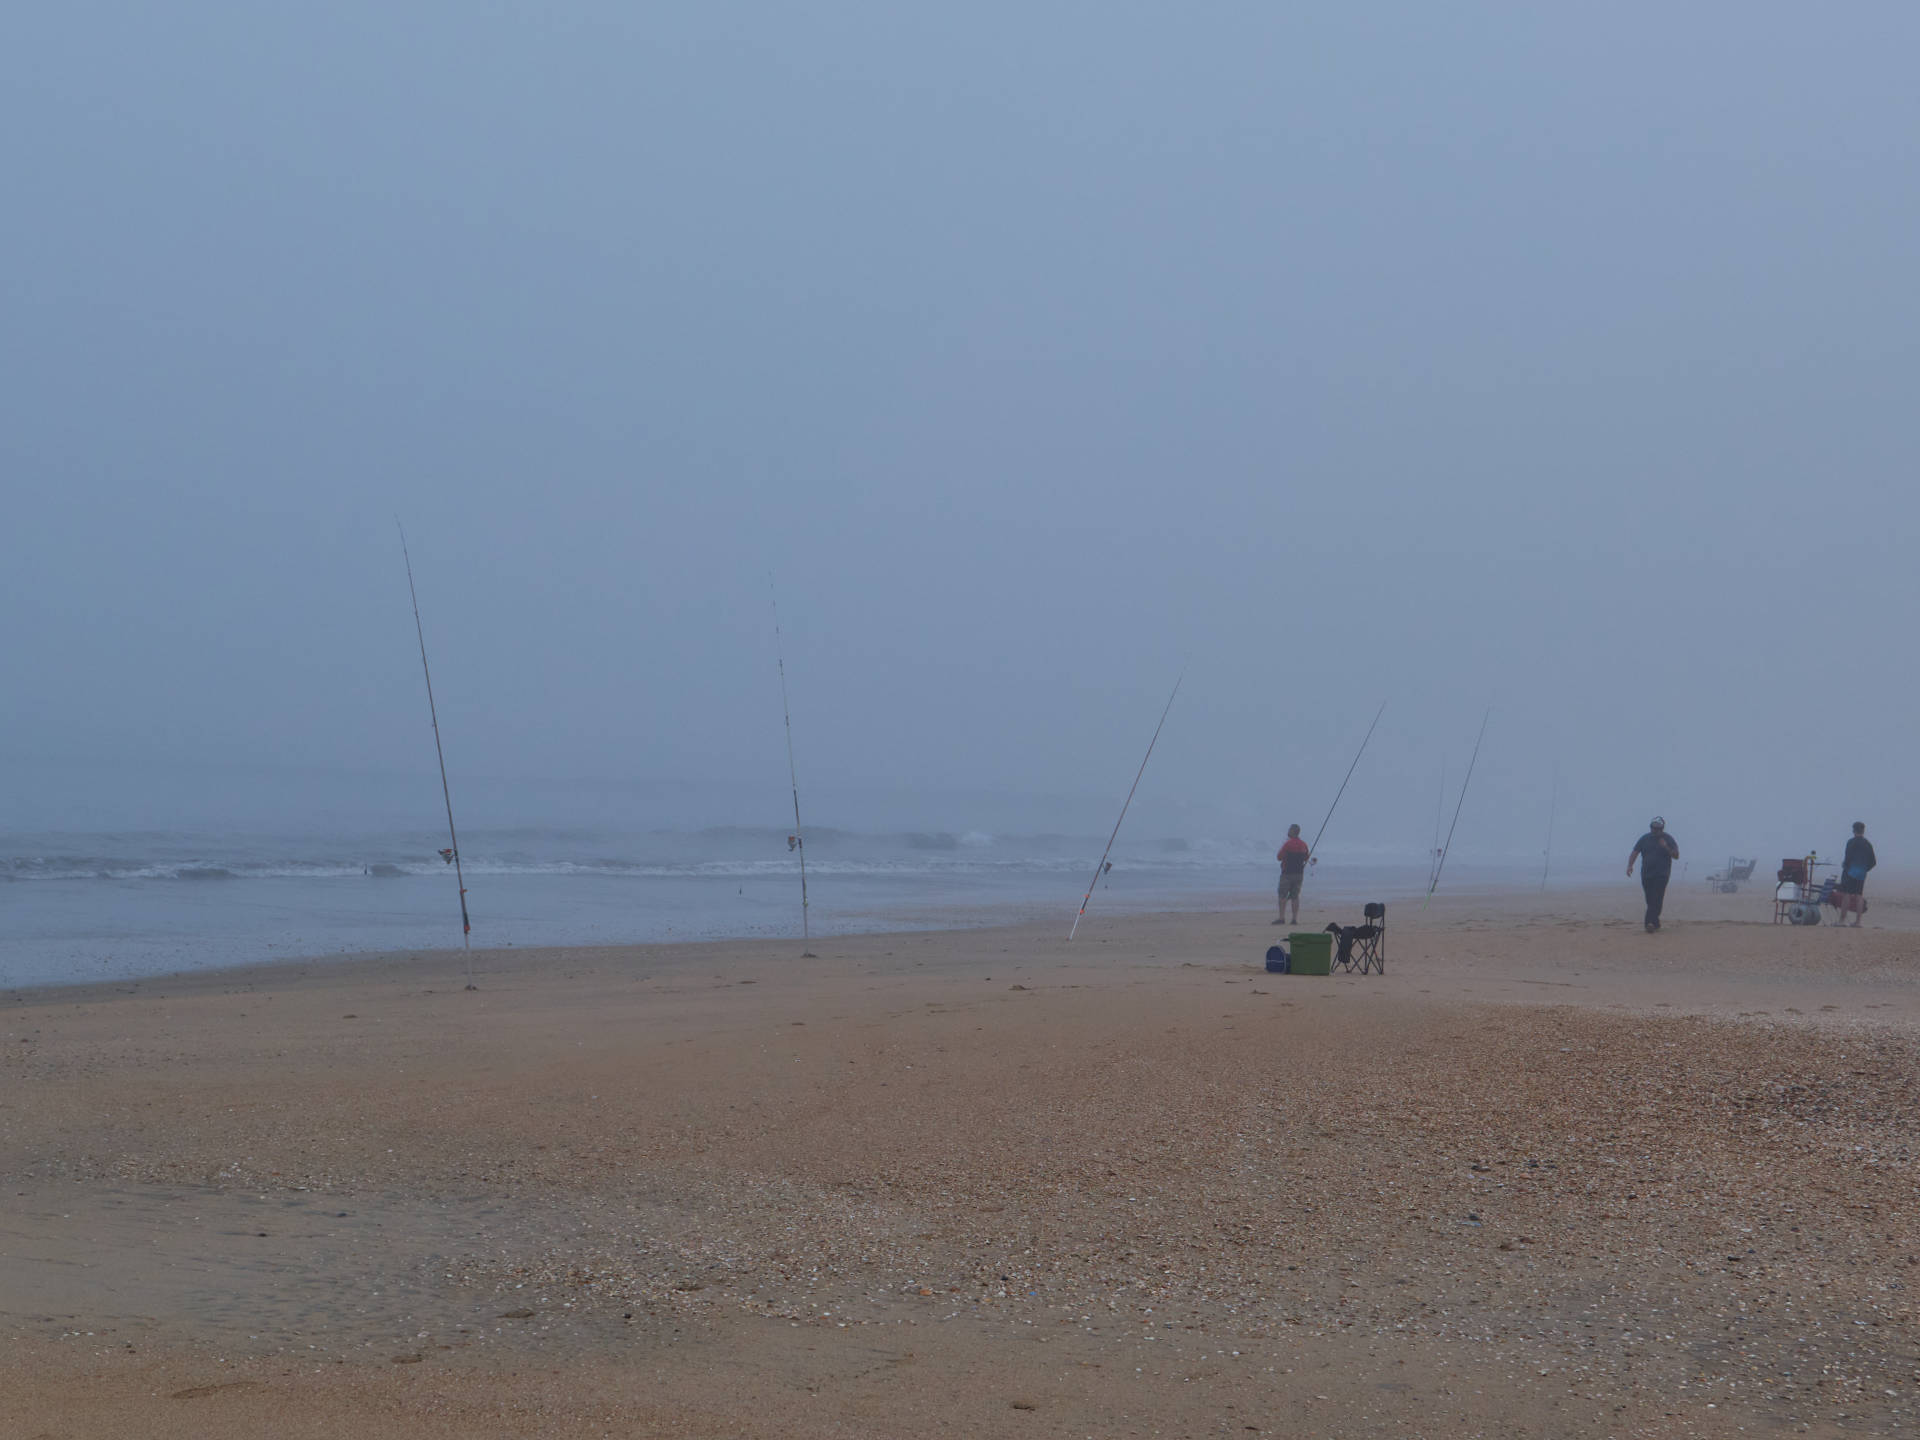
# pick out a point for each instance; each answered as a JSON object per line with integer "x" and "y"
{"x": 797, "y": 842}
{"x": 452, "y": 853}
{"x": 1343, "y": 784}
{"x": 1100, "y": 869}
{"x": 1439, "y": 814}
{"x": 1441, "y": 863}
{"x": 1553, "y": 799}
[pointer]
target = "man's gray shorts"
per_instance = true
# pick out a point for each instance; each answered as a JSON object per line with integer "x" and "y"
{"x": 1290, "y": 886}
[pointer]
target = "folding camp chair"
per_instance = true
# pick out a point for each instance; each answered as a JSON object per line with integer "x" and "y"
{"x": 1363, "y": 946}
{"x": 1370, "y": 943}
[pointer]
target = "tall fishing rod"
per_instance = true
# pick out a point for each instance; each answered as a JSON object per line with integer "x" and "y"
{"x": 1343, "y": 784}
{"x": 1553, "y": 800}
{"x": 799, "y": 841}
{"x": 1441, "y": 864}
{"x": 452, "y": 853}
{"x": 1100, "y": 869}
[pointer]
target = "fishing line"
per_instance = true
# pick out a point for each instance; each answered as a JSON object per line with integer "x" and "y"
{"x": 799, "y": 841}
{"x": 1553, "y": 799}
{"x": 1311, "y": 849}
{"x": 1441, "y": 864}
{"x": 452, "y": 852}
{"x": 1099, "y": 869}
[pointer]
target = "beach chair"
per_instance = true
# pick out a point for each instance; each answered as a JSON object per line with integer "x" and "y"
{"x": 1729, "y": 880}
{"x": 1370, "y": 942}
{"x": 1362, "y": 947}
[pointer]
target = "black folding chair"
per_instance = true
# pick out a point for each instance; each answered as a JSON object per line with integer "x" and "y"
{"x": 1370, "y": 943}
{"x": 1362, "y": 947}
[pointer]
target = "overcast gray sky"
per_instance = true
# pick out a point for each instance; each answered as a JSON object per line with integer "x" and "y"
{"x": 1559, "y": 359}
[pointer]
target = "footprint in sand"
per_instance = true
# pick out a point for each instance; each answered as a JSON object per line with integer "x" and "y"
{"x": 197, "y": 1392}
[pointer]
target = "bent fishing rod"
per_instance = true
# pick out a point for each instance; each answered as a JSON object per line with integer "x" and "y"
{"x": 1441, "y": 863}
{"x": 1100, "y": 869}
{"x": 799, "y": 841}
{"x": 452, "y": 853}
{"x": 1311, "y": 849}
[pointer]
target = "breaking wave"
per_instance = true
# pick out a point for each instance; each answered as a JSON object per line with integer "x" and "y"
{"x": 928, "y": 861}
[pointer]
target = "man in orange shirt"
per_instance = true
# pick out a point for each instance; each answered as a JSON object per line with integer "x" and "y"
{"x": 1293, "y": 857}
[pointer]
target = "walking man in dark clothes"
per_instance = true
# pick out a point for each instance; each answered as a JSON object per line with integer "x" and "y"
{"x": 1657, "y": 850}
{"x": 1851, "y": 893}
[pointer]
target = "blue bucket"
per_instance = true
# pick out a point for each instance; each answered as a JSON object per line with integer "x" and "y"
{"x": 1277, "y": 962}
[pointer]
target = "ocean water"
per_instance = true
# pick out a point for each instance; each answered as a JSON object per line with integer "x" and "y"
{"x": 78, "y": 908}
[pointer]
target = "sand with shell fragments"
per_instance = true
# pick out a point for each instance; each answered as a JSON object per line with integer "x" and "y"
{"x": 1548, "y": 1176}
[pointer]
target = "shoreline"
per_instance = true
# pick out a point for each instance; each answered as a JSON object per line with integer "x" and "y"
{"x": 936, "y": 918}
{"x": 113, "y": 927}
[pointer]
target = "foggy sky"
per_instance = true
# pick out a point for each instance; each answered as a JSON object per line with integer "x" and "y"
{"x": 1463, "y": 356}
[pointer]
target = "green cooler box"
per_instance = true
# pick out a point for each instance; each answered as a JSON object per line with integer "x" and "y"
{"x": 1310, "y": 952}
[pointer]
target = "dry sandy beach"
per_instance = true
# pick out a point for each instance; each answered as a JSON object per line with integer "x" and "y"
{"x": 1547, "y": 1176}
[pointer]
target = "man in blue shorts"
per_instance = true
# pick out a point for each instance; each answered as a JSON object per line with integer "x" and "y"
{"x": 1851, "y": 893}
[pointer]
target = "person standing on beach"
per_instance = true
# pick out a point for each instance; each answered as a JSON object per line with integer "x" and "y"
{"x": 1658, "y": 851}
{"x": 1293, "y": 856}
{"x": 1851, "y": 893}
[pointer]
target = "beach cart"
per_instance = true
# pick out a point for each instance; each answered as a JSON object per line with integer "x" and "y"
{"x": 1799, "y": 891}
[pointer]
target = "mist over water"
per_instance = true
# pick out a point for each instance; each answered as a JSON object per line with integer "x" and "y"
{"x": 220, "y": 865}
{"x": 88, "y": 907}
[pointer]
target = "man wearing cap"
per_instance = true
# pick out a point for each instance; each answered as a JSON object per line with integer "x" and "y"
{"x": 1658, "y": 850}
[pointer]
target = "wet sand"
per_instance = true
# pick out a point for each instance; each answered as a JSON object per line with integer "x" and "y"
{"x": 1548, "y": 1175}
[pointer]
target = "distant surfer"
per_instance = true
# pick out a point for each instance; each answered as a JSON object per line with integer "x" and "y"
{"x": 1658, "y": 850}
{"x": 1293, "y": 856}
{"x": 1851, "y": 893}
